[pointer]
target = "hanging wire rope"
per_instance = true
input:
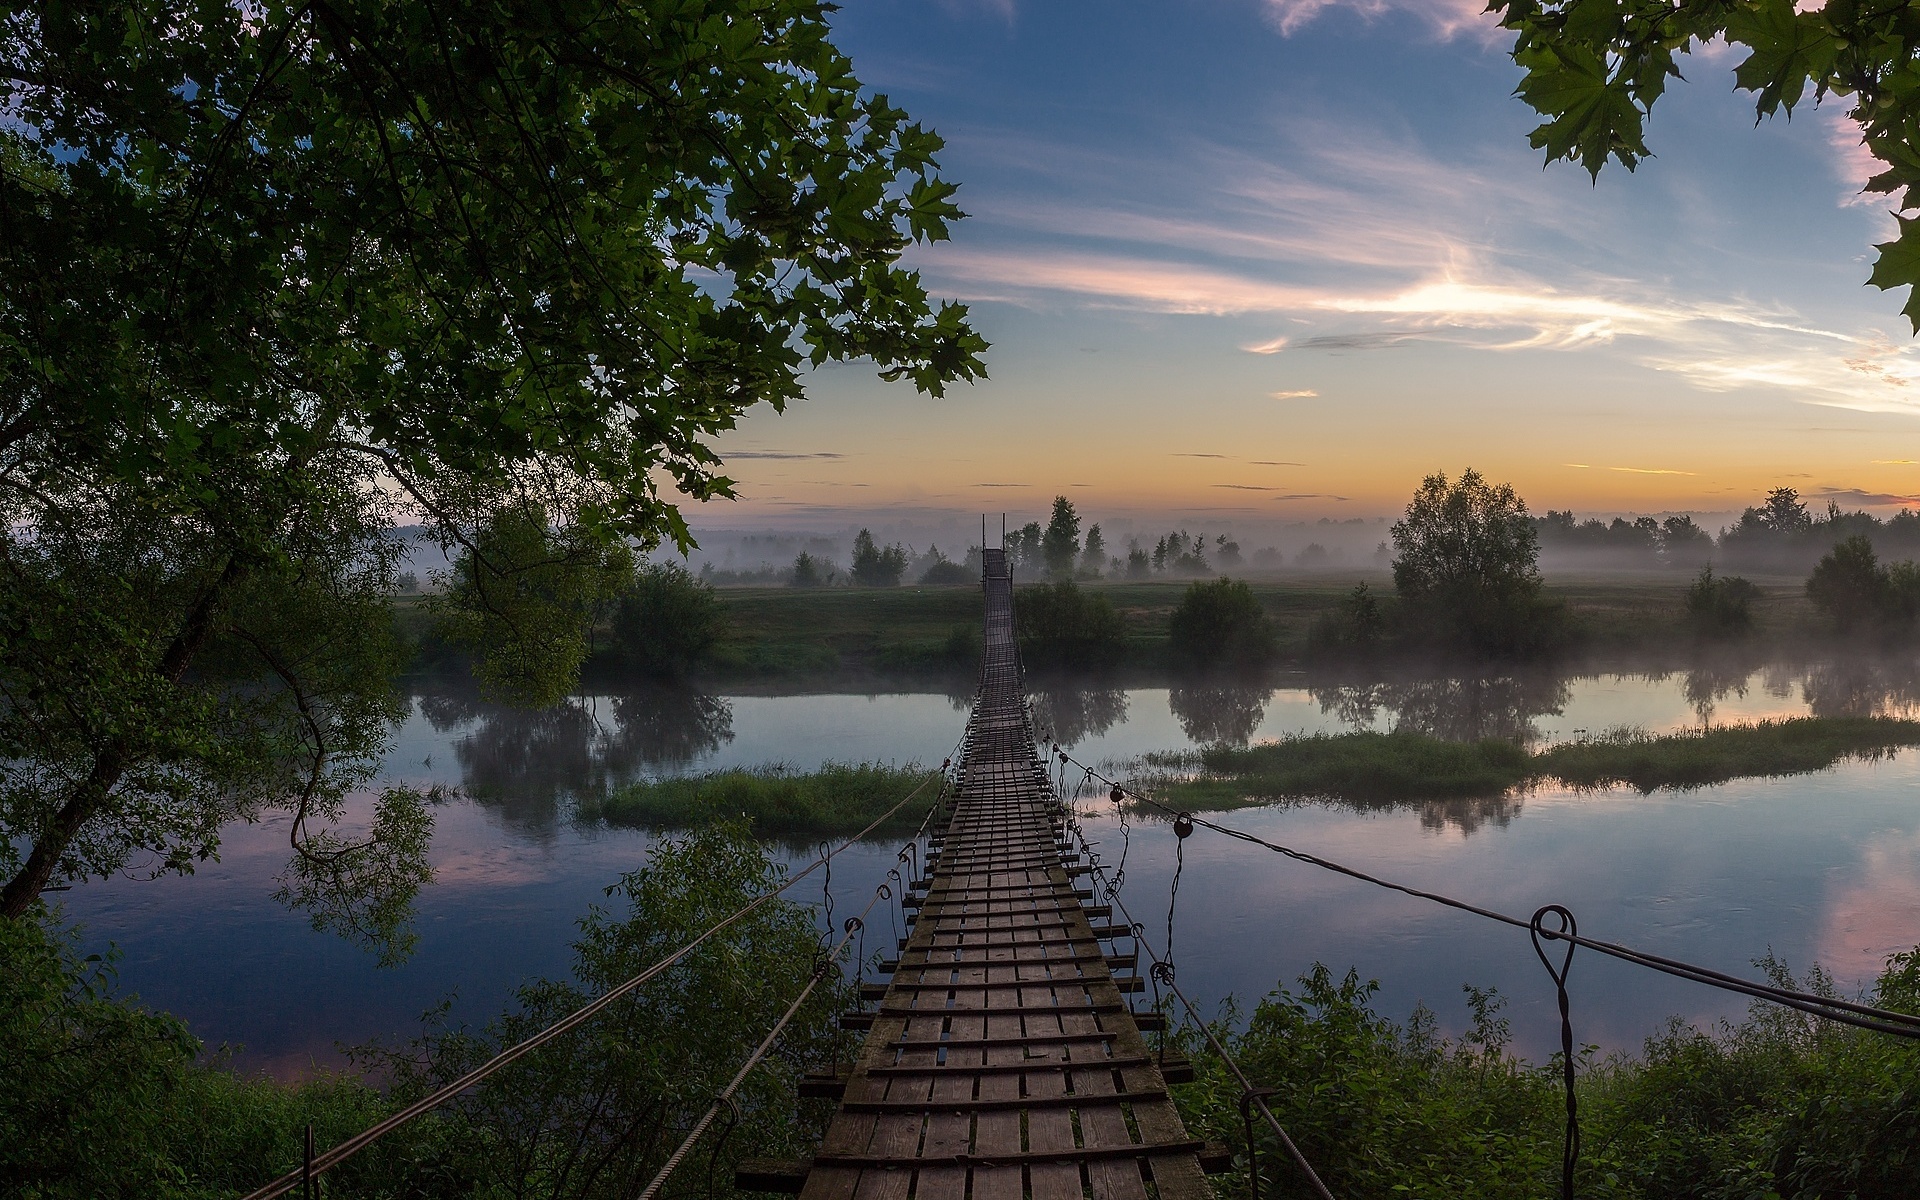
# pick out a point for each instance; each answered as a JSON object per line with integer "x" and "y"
{"x": 316, "y": 1165}
{"x": 1251, "y": 1097}
{"x": 724, "y": 1101}
{"x": 1831, "y": 1008}
{"x": 1570, "y": 1147}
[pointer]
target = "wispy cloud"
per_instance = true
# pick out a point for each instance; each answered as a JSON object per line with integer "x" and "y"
{"x": 1302, "y": 394}
{"x": 1190, "y": 454}
{"x": 1895, "y": 462}
{"x": 1274, "y": 462}
{"x": 1446, "y": 18}
{"x": 1311, "y": 496}
{"x": 780, "y": 454}
{"x": 1628, "y": 470}
{"x": 1856, "y": 496}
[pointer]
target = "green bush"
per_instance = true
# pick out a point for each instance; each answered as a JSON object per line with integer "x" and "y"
{"x": 1779, "y": 1105}
{"x": 1061, "y": 626}
{"x": 1719, "y": 606}
{"x": 1220, "y": 622}
{"x": 667, "y": 621}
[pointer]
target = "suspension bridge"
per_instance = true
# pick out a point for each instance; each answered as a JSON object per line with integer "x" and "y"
{"x": 1003, "y": 1060}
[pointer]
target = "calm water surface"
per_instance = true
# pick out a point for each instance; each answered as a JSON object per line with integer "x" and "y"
{"x": 1822, "y": 867}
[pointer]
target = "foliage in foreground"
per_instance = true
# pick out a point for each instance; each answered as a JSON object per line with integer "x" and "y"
{"x": 1370, "y": 767}
{"x": 1780, "y": 1105}
{"x": 775, "y": 800}
{"x": 321, "y": 256}
{"x": 104, "y": 1098}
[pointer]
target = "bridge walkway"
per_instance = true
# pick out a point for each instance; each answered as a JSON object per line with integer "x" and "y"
{"x": 1003, "y": 1062}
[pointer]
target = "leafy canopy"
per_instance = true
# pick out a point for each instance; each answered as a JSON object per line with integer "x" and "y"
{"x": 1594, "y": 69}
{"x": 274, "y": 276}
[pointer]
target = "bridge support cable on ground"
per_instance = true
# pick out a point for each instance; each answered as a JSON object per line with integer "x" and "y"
{"x": 1003, "y": 1061}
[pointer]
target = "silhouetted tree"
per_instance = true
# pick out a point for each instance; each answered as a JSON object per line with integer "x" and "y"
{"x": 1094, "y": 558}
{"x": 1467, "y": 565}
{"x": 1061, "y": 542}
{"x": 809, "y": 571}
{"x": 1850, "y": 586}
{"x": 874, "y": 565}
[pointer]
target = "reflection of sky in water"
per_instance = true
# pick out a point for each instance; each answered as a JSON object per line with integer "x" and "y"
{"x": 1823, "y": 866}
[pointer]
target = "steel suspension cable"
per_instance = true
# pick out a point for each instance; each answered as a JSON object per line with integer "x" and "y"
{"x": 1162, "y": 972}
{"x": 338, "y": 1154}
{"x": 1831, "y": 1008}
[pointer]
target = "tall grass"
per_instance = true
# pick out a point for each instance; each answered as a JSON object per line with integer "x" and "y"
{"x": 1382, "y": 768}
{"x": 777, "y": 800}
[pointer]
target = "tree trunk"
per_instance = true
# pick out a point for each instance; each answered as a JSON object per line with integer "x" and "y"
{"x": 112, "y": 761}
{"x": 25, "y": 887}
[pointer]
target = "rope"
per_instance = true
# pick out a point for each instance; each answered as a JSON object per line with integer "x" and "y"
{"x": 1845, "y": 1012}
{"x": 725, "y": 1099}
{"x": 1250, "y": 1096}
{"x": 326, "y": 1161}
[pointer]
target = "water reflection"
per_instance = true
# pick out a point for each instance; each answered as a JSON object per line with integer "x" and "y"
{"x": 1459, "y": 708}
{"x": 524, "y": 763}
{"x": 1863, "y": 687}
{"x": 1222, "y": 715}
{"x": 1069, "y": 714}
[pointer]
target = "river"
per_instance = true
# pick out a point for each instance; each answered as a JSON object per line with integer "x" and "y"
{"x": 1814, "y": 868}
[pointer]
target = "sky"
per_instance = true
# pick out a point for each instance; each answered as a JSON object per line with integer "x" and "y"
{"x": 1257, "y": 261}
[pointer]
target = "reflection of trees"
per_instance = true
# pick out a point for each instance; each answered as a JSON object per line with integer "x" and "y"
{"x": 664, "y": 728}
{"x": 1457, "y": 708}
{"x": 1708, "y": 683}
{"x": 525, "y": 762}
{"x": 1468, "y": 815}
{"x": 1863, "y": 687}
{"x": 1068, "y": 714}
{"x": 1222, "y": 715}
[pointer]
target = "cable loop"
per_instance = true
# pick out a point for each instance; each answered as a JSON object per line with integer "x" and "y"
{"x": 1161, "y": 972}
{"x": 1247, "y": 1096}
{"x": 1568, "y": 931}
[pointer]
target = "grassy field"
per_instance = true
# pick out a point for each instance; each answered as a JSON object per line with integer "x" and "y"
{"x": 1383, "y": 768}
{"x": 779, "y": 636}
{"x": 791, "y": 632}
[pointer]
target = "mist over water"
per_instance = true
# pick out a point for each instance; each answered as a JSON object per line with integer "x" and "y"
{"x": 1819, "y": 867}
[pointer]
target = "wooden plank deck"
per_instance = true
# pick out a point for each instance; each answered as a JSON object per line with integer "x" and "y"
{"x": 1003, "y": 1062}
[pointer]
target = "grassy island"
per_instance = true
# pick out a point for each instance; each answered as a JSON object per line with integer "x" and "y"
{"x": 1389, "y": 767}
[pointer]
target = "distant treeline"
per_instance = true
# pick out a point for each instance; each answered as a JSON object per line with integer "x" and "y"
{"x": 1779, "y": 535}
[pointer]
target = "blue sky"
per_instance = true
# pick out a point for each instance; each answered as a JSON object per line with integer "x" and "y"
{"x": 1248, "y": 261}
